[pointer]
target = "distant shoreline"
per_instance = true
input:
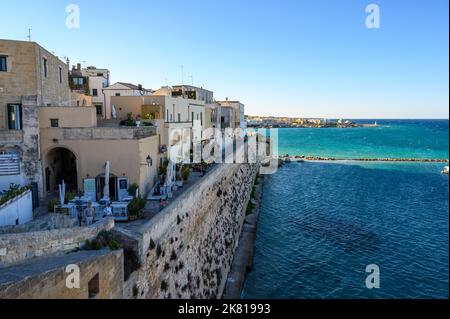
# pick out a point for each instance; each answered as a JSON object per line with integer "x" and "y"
{"x": 318, "y": 126}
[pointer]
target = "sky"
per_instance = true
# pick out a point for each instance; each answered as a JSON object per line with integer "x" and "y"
{"x": 298, "y": 58}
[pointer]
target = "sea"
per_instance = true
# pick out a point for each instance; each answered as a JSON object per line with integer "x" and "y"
{"x": 324, "y": 225}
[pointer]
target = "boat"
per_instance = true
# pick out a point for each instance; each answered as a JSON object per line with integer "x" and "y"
{"x": 445, "y": 170}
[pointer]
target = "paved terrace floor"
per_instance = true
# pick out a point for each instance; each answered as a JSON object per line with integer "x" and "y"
{"x": 153, "y": 208}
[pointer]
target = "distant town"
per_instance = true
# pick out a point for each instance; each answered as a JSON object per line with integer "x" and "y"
{"x": 287, "y": 122}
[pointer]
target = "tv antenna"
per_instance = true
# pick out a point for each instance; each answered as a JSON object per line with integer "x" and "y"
{"x": 29, "y": 34}
{"x": 182, "y": 74}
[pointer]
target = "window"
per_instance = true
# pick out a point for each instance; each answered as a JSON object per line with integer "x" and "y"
{"x": 14, "y": 116}
{"x": 167, "y": 115}
{"x": 54, "y": 123}
{"x": 45, "y": 67}
{"x": 94, "y": 92}
{"x": 78, "y": 81}
{"x": 3, "y": 63}
{"x": 9, "y": 164}
{"x": 94, "y": 287}
{"x": 117, "y": 94}
{"x": 201, "y": 118}
{"x": 179, "y": 117}
{"x": 99, "y": 109}
{"x": 60, "y": 75}
{"x": 192, "y": 117}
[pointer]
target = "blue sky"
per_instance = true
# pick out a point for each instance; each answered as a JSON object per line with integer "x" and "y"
{"x": 311, "y": 58}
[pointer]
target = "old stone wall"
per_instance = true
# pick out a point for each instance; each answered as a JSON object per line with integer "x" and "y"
{"x": 101, "y": 277}
{"x": 186, "y": 251}
{"x": 49, "y": 222}
{"x": 15, "y": 248}
{"x": 25, "y": 143}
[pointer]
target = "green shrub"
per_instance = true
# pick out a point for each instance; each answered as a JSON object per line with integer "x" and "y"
{"x": 114, "y": 245}
{"x": 132, "y": 189}
{"x": 185, "y": 174}
{"x": 68, "y": 197}
{"x": 51, "y": 205}
{"x": 136, "y": 206}
{"x": 13, "y": 191}
{"x": 104, "y": 239}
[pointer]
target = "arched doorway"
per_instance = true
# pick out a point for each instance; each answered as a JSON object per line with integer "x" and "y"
{"x": 61, "y": 165}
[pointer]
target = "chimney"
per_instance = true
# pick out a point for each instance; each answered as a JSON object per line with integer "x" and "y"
{"x": 79, "y": 66}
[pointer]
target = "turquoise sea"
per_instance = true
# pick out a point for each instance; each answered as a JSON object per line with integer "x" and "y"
{"x": 322, "y": 223}
{"x": 392, "y": 138}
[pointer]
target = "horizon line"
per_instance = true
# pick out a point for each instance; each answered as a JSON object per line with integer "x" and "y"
{"x": 356, "y": 118}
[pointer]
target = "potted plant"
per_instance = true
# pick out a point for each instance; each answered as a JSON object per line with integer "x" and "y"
{"x": 185, "y": 174}
{"x": 132, "y": 189}
{"x": 135, "y": 208}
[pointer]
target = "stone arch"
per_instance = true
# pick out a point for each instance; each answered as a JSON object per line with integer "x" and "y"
{"x": 60, "y": 163}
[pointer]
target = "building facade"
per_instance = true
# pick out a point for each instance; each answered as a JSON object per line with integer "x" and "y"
{"x": 30, "y": 77}
{"x": 121, "y": 89}
{"x": 44, "y": 139}
{"x": 236, "y": 110}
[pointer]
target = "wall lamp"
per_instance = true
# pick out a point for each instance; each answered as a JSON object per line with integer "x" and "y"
{"x": 149, "y": 161}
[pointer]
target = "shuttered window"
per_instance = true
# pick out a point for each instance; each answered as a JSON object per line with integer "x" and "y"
{"x": 9, "y": 164}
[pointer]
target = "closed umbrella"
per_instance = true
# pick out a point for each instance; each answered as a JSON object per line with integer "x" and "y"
{"x": 106, "y": 188}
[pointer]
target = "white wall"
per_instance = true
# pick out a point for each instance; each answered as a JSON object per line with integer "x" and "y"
{"x": 7, "y": 180}
{"x": 20, "y": 208}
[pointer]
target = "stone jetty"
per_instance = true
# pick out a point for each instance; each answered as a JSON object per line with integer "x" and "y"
{"x": 287, "y": 158}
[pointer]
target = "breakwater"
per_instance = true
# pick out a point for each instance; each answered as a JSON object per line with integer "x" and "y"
{"x": 388, "y": 159}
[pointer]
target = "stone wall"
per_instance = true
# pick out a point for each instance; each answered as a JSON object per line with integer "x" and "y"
{"x": 46, "y": 278}
{"x": 48, "y": 222}
{"x": 108, "y": 133}
{"x": 15, "y": 248}
{"x": 186, "y": 251}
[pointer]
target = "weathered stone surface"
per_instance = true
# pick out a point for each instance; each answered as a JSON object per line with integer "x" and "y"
{"x": 43, "y": 243}
{"x": 46, "y": 278}
{"x": 49, "y": 222}
{"x": 187, "y": 250}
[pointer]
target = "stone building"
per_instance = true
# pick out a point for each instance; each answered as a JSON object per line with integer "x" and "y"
{"x": 45, "y": 139}
{"x": 30, "y": 76}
